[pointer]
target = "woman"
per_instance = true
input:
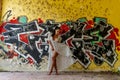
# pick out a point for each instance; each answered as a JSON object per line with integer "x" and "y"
{"x": 60, "y": 54}
{"x": 55, "y": 39}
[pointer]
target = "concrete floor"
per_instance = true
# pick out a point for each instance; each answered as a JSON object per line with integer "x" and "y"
{"x": 61, "y": 76}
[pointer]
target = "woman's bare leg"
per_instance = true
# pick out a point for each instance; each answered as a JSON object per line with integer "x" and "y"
{"x": 53, "y": 63}
{"x": 56, "y": 68}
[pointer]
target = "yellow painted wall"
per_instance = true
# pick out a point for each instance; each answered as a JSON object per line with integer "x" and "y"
{"x": 62, "y": 10}
{"x": 0, "y": 8}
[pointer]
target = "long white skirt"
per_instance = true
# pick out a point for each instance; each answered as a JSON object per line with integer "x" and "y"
{"x": 64, "y": 59}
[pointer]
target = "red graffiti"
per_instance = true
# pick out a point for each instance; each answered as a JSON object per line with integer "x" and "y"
{"x": 64, "y": 28}
{"x": 89, "y": 25}
{"x": 12, "y": 54}
{"x": 24, "y": 38}
{"x": 2, "y": 29}
{"x": 40, "y": 20}
{"x": 100, "y": 43}
{"x": 113, "y": 35}
{"x": 2, "y": 38}
{"x": 14, "y": 20}
{"x": 89, "y": 54}
{"x": 69, "y": 42}
{"x": 30, "y": 60}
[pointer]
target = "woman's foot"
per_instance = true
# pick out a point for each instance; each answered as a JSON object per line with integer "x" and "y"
{"x": 50, "y": 73}
{"x": 57, "y": 73}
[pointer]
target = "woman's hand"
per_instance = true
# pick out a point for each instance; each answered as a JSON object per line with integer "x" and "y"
{"x": 52, "y": 49}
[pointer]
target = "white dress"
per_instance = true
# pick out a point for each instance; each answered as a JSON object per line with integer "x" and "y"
{"x": 64, "y": 59}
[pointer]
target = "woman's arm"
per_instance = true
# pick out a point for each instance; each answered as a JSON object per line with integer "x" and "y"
{"x": 51, "y": 44}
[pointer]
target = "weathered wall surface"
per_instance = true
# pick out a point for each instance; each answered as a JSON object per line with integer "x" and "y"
{"x": 91, "y": 30}
{"x": 0, "y": 8}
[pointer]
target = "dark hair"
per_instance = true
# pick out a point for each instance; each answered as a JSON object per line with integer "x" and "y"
{"x": 54, "y": 31}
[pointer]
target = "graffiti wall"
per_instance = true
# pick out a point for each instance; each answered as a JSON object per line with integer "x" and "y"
{"x": 89, "y": 30}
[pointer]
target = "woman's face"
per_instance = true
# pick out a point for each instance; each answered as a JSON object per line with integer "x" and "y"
{"x": 57, "y": 31}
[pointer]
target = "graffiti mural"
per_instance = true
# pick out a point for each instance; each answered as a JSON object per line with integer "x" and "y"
{"x": 88, "y": 39}
{"x": 27, "y": 42}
